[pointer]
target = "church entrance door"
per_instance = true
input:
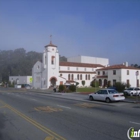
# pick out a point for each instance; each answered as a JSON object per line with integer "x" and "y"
{"x": 53, "y": 81}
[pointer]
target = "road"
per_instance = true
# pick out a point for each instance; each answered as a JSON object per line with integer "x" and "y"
{"x": 36, "y": 116}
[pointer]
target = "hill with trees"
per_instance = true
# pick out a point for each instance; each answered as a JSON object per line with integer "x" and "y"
{"x": 18, "y": 62}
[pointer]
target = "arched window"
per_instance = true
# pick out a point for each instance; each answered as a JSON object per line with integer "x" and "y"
{"x": 77, "y": 76}
{"x": 81, "y": 77}
{"x": 89, "y": 77}
{"x": 72, "y": 77}
{"x": 86, "y": 76}
{"x": 68, "y": 76}
{"x": 52, "y": 60}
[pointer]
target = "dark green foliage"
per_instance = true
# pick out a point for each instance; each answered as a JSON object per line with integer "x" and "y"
{"x": 62, "y": 58}
{"x": 83, "y": 82}
{"x": 72, "y": 88}
{"x": 18, "y": 62}
{"x": 62, "y": 88}
{"x": 109, "y": 84}
{"x": 94, "y": 83}
{"x": 120, "y": 86}
{"x": 77, "y": 83}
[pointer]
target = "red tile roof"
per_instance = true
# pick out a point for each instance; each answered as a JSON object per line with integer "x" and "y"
{"x": 77, "y": 72}
{"x": 104, "y": 76}
{"x": 74, "y": 64}
{"x": 121, "y": 66}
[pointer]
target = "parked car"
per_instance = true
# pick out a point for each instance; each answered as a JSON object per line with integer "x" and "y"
{"x": 27, "y": 86}
{"x": 132, "y": 91}
{"x": 107, "y": 95}
{"x": 138, "y": 91}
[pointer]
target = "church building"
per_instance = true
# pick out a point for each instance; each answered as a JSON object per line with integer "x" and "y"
{"x": 51, "y": 71}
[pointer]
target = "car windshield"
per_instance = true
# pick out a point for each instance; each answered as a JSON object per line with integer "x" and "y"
{"x": 112, "y": 91}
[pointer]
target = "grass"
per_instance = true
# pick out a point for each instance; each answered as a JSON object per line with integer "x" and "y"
{"x": 87, "y": 89}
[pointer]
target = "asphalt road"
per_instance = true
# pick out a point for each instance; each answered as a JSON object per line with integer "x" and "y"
{"x": 35, "y": 116}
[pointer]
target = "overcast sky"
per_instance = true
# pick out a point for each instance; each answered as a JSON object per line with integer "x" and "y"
{"x": 99, "y": 28}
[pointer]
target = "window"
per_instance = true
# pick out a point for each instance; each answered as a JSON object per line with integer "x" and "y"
{"x": 99, "y": 92}
{"x": 81, "y": 77}
{"x": 98, "y": 72}
{"x": 104, "y": 92}
{"x": 127, "y": 82}
{"x": 45, "y": 60}
{"x": 52, "y": 60}
{"x": 114, "y": 72}
{"x": 44, "y": 82}
{"x": 103, "y": 72}
{"x": 38, "y": 67}
{"x": 68, "y": 68}
{"x": 77, "y": 76}
{"x": 114, "y": 82}
{"x": 60, "y": 74}
{"x": 77, "y": 68}
{"x": 85, "y": 69}
{"x": 127, "y": 72}
{"x": 68, "y": 76}
{"x": 72, "y": 77}
{"x": 89, "y": 77}
{"x": 86, "y": 76}
{"x": 93, "y": 69}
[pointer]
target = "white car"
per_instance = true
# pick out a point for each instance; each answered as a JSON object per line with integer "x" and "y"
{"x": 107, "y": 95}
{"x": 132, "y": 91}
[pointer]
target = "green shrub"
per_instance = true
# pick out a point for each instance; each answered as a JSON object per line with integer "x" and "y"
{"x": 120, "y": 86}
{"x": 72, "y": 88}
{"x": 61, "y": 88}
{"x": 83, "y": 82}
{"x": 94, "y": 83}
{"x": 109, "y": 84}
{"x": 77, "y": 83}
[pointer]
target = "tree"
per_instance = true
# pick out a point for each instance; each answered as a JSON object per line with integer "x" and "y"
{"x": 18, "y": 62}
{"x": 120, "y": 86}
{"x": 83, "y": 82}
{"x": 94, "y": 83}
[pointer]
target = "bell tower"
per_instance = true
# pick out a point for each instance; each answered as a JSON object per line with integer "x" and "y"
{"x": 50, "y": 65}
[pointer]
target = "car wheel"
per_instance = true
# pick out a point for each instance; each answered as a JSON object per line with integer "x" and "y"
{"x": 107, "y": 100}
{"x": 91, "y": 98}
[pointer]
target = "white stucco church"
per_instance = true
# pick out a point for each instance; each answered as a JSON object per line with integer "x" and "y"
{"x": 52, "y": 72}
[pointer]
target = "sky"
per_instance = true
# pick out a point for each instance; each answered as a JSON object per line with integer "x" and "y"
{"x": 98, "y": 28}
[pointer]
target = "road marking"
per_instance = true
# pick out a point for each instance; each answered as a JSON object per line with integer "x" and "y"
{"x": 64, "y": 106}
{"x": 3, "y": 106}
{"x": 47, "y": 109}
{"x": 33, "y": 122}
{"x": 134, "y": 122}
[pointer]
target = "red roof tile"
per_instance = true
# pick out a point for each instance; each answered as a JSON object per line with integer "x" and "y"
{"x": 118, "y": 67}
{"x": 77, "y": 72}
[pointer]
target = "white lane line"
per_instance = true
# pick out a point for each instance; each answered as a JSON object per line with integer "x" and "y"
{"x": 64, "y": 106}
{"x": 134, "y": 122}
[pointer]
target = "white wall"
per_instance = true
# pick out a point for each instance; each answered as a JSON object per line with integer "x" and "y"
{"x": 36, "y": 74}
{"x": 20, "y": 79}
{"x": 90, "y": 60}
